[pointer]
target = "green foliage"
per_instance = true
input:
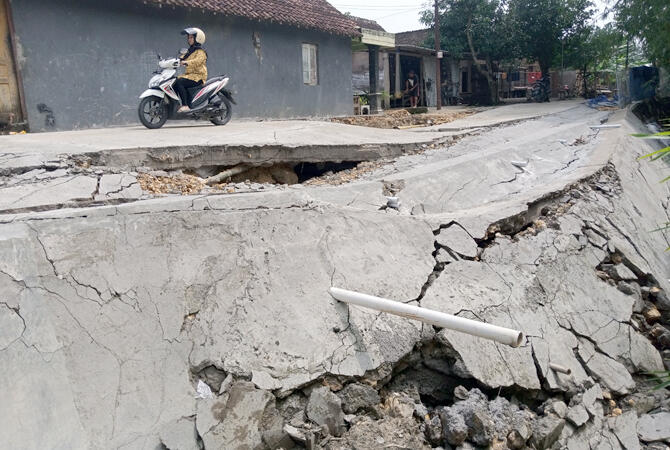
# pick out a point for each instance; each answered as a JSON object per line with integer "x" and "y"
{"x": 543, "y": 25}
{"x": 662, "y": 378}
{"x": 503, "y": 30}
{"x": 480, "y": 28}
{"x": 648, "y": 20}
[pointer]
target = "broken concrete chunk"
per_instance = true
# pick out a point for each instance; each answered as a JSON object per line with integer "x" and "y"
{"x": 356, "y": 396}
{"x": 630, "y": 288}
{"x": 242, "y": 420}
{"x": 595, "y": 239}
{"x": 481, "y": 428}
{"x": 454, "y": 429}
{"x": 325, "y": 408}
{"x": 458, "y": 240}
{"x": 661, "y": 335}
{"x": 226, "y": 384}
{"x": 625, "y": 429}
{"x": 591, "y": 397}
{"x": 264, "y": 380}
{"x": 399, "y": 405}
{"x": 611, "y": 373}
{"x": 577, "y": 415}
{"x": 389, "y": 432}
{"x": 654, "y": 427}
{"x": 434, "y": 430}
{"x": 546, "y": 431}
{"x": 179, "y": 435}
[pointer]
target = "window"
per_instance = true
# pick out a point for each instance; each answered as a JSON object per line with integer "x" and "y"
{"x": 309, "y": 72}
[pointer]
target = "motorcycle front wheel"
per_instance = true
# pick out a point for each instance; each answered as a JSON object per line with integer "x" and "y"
{"x": 224, "y": 114}
{"x": 153, "y": 112}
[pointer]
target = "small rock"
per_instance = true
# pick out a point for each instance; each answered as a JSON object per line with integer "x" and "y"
{"x": 480, "y": 426}
{"x": 577, "y": 415}
{"x": 654, "y": 427}
{"x": 627, "y": 288}
{"x": 434, "y": 430}
{"x": 399, "y": 405}
{"x": 560, "y": 409}
{"x": 651, "y": 314}
{"x": 607, "y": 395}
{"x": 661, "y": 335}
{"x": 454, "y": 429}
{"x": 226, "y": 384}
{"x": 460, "y": 393}
{"x": 617, "y": 412}
{"x": 325, "y": 408}
{"x": 546, "y": 431}
{"x": 515, "y": 440}
{"x": 356, "y": 396}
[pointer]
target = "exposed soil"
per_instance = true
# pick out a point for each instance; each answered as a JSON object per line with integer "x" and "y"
{"x": 401, "y": 118}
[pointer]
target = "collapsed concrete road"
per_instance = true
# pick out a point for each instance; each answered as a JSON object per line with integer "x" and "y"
{"x": 204, "y": 321}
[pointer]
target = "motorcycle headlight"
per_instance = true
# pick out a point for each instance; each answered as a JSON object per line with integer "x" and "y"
{"x": 155, "y": 80}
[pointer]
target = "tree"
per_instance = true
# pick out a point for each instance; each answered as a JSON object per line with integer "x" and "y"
{"x": 593, "y": 49}
{"x": 648, "y": 20}
{"x": 543, "y": 25}
{"x": 477, "y": 27}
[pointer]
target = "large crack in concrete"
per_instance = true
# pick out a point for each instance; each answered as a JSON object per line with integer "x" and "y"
{"x": 231, "y": 291}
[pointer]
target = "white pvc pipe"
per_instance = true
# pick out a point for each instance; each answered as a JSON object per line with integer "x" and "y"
{"x": 602, "y": 127}
{"x": 487, "y": 331}
{"x": 560, "y": 369}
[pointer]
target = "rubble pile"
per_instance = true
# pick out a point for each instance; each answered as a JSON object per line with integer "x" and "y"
{"x": 402, "y": 118}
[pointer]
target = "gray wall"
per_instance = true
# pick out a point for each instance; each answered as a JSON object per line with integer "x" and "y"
{"x": 88, "y": 61}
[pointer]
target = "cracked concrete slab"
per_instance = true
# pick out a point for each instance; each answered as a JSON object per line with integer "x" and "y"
{"x": 50, "y": 192}
{"x": 111, "y": 314}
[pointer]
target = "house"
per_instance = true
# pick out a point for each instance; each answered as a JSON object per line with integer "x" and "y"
{"x": 409, "y": 52}
{"x": 370, "y": 70}
{"x": 83, "y": 63}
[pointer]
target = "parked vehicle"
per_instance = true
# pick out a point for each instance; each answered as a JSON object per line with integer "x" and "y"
{"x": 210, "y": 101}
{"x": 541, "y": 90}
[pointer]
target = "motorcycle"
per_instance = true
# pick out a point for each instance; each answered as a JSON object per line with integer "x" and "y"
{"x": 211, "y": 100}
{"x": 541, "y": 90}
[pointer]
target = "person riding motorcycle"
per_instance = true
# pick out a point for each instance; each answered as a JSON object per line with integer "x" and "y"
{"x": 195, "y": 61}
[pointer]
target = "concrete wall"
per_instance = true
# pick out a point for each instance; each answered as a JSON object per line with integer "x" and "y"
{"x": 88, "y": 61}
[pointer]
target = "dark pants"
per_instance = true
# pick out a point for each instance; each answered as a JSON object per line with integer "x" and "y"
{"x": 181, "y": 86}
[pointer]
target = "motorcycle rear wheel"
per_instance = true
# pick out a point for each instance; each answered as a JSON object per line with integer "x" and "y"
{"x": 153, "y": 112}
{"x": 225, "y": 114}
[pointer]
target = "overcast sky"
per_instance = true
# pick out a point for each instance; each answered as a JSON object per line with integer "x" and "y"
{"x": 395, "y": 15}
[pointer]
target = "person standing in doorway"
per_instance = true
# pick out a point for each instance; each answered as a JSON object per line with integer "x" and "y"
{"x": 412, "y": 88}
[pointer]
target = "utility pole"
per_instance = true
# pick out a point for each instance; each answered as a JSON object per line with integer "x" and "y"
{"x": 438, "y": 60}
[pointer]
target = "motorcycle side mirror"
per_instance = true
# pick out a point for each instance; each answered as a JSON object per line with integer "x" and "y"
{"x": 159, "y": 55}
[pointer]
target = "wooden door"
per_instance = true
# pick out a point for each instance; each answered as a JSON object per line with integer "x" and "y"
{"x": 10, "y": 104}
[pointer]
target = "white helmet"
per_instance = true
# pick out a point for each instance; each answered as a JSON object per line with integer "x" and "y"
{"x": 197, "y": 32}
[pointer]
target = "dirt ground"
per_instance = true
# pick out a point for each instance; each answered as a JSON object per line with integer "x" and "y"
{"x": 402, "y": 118}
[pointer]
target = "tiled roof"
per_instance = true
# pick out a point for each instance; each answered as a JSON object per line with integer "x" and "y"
{"x": 313, "y": 14}
{"x": 412, "y": 38}
{"x": 367, "y": 23}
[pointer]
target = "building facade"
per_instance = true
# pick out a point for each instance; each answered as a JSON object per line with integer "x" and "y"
{"x": 83, "y": 63}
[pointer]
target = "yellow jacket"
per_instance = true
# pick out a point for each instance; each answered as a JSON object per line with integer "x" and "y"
{"x": 196, "y": 68}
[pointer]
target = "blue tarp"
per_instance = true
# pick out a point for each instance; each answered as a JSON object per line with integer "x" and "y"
{"x": 602, "y": 100}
